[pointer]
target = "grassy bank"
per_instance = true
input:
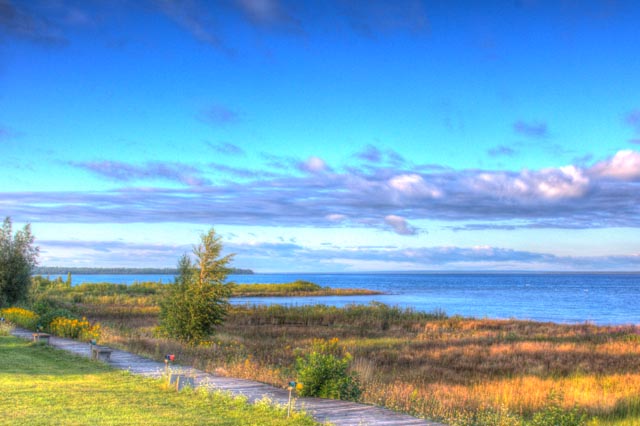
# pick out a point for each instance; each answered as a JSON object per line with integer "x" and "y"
{"x": 44, "y": 386}
{"x": 463, "y": 371}
{"x": 296, "y": 288}
{"x": 148, "y": 293}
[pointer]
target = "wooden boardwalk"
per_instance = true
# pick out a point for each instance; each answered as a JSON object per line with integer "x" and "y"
{"x": 339, "y": 413}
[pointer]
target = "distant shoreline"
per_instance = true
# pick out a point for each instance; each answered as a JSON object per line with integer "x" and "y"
{"x": 62, "y": 270}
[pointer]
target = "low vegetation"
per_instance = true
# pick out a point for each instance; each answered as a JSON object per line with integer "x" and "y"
{"x": 44, "y": 386}
{"x": 460, "y": 370}
{"x": 296, "y": 288}
{"x": 463, "y": 371}
{"x": 150, "y": 293}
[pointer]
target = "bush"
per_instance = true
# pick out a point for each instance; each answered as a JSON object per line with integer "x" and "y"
{"x": 325, "y": 373}
{"x": 21, "y": 317}
{"x": 554, "y": 415}
{"x": 75, "y": 329}
{"x": 47, "y": 317}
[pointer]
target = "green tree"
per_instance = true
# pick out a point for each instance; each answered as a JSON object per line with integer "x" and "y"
{"x": 18, "y": 257}
{"x": 197, "y": 301}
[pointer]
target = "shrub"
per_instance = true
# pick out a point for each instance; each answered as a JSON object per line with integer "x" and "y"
{"x": 21, "y": 317}
{"x": 47, "y": 317}
{"x": 554, "y": 415}
{"x": 75, "y": 329}
{"x": 325, "y": 372}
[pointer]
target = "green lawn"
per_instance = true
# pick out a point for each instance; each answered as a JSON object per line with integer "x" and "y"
{"x": 40, "y": 385}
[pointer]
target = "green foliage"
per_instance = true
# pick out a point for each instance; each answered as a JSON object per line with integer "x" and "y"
{"x": 324, "y": 372}
{"x": 554, "y": 415}
{"x": 18, "y": 257}
{"x": 49, "y": 315}
{"x": 292, "y": 288}
{"x": 295, "y": 288}
{"x": 197, "y": 301}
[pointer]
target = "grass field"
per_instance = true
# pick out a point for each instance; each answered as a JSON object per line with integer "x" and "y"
{"x": 44, "y": 386}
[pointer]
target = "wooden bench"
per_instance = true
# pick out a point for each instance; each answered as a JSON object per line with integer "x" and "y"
{"x": 41, "y": 337}
{"x": 101, "y": 353}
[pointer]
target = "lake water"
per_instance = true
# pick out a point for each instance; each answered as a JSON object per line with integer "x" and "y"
{"x": 566, "y": 298}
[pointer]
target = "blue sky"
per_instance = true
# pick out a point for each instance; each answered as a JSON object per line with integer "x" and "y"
{"x": 339, "y": 135}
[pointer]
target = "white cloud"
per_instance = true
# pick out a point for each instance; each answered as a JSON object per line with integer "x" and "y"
{"x": 314, "y": 165}
{"x": 624, "y": 165}
{"x": 413, "y": 185}
{"x": 400, "y": 225}
{"x": 551, "y": 183}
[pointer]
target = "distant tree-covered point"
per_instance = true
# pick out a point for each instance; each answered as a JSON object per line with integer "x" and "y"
{"x": 62, "y": 270}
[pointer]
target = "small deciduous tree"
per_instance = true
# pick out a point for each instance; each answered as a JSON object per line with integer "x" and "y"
{"x": 18, "y": 257}
{"x": 197, "y": 301}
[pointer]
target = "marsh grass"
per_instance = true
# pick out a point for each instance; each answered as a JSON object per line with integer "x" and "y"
{"x": 43, "y": 386}
{"x": 296, "y": 288}
{"x": 427, "y": 364}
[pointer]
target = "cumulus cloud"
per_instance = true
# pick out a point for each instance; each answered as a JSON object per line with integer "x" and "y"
{"x": 623, "y": 165}
{"x": 313, "y": 165}
{"x": 531, "y": 129}
{"x": 400, "y": 225}
{"x": 413, "y": 185}
{"x": 601, "y": 195}
{"x": 551, "y": 183}
{"x": 126, "y": 172}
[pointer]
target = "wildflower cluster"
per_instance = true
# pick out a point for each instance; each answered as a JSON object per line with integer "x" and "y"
{"x": 20, "y": 317}
{"x": 74, "y": 328}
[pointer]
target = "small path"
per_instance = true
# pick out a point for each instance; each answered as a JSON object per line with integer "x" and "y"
{"x": 339, "y": 413}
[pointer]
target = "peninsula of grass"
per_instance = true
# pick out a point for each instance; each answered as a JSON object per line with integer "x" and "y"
{"x": 296, "y": 288}
{"x": 43, "y": 386}
{"x": 149, "y": 293}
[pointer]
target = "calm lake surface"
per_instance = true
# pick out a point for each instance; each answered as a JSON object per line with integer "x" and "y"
{"x": 566, "y": 298}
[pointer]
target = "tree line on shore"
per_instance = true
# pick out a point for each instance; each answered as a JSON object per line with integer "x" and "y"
{"x": 63, "y": 270}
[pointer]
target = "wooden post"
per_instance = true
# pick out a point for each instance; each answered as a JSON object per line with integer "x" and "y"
{"x": 292, "y": 386}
